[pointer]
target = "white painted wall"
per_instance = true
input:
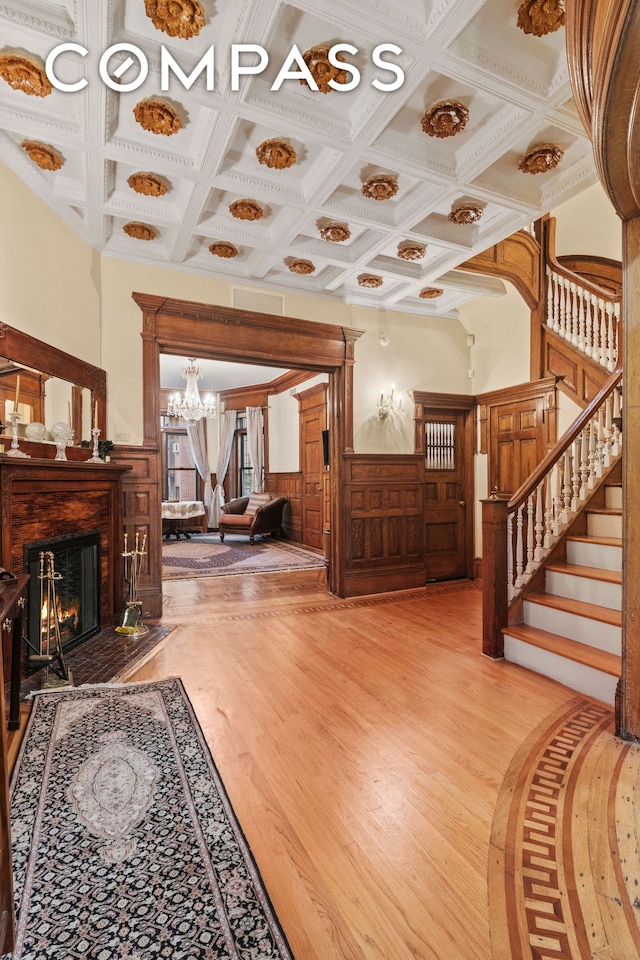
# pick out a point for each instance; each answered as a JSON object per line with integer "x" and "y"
{"x": 588, "y": 224}
{"x": 284, "y": 428}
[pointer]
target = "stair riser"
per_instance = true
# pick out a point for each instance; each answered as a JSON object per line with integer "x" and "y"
{"x": 583, "y": 588}
{"x": 604, "y": 636}
{"x": 594, "y": 555}
{"x": 577, "y": 676}
{"x": 604, "y": 525}
{"x": 613, "y": 498}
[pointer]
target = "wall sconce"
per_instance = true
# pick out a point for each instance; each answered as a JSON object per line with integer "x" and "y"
{"x": 389, "y": 404}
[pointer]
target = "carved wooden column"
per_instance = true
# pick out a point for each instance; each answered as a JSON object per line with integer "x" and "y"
{"x": 350, "y": 337}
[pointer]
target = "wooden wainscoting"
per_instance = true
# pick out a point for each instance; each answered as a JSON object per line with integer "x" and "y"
{"x": 142, "y": 498}
{"x": 383, "y": 524}
{"x": 288, "y": 485}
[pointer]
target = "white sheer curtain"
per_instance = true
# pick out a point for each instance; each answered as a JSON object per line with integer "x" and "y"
{"x": 196, "y": 434}
{"x": 255, "y": 443}
{"x": 227, "y": 431}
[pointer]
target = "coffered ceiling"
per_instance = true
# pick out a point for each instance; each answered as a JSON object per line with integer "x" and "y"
{"x": 335, "y": 147}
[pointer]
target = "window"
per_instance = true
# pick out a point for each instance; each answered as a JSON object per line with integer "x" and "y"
{"x": 181, "y": 481}
{"x": 243, "y": 470}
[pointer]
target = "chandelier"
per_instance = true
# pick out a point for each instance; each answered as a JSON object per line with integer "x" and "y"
{"x": 189, "y": 406}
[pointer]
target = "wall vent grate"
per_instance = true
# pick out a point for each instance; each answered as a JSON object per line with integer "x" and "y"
{"x": 258, "y": 302}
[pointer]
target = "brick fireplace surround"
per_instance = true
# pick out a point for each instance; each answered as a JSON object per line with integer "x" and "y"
{"x": 42, "y": 498}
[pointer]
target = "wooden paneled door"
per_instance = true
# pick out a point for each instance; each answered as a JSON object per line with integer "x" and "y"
{"x": 312, "y": 404}
{"x": 444, "y": 435}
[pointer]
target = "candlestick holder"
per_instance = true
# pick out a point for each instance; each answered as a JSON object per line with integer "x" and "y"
{"x": 14, "y": 416}
{"x": 95, "y": 458}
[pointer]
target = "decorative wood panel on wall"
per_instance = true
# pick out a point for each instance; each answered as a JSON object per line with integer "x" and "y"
{"x": 581, "y": 378}
{"x": 384, "y": 528}
{"x": 142, "y": 498}
{"x": 517, "y": 427}
{"x": 288, "y": 485}
{"x": 516, "y": 259}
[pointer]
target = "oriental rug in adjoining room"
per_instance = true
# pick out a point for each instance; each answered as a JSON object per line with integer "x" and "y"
{"x": 205, "y": 556}
{"x": 125, "y": 843}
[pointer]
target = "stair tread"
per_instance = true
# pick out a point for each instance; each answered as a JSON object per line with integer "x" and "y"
{"x": 592, "y": 611}
{"x": 603, "y": 541}
{"x": 592, "y": 573}
{"x": 606, "y": 511}
{"x": 569, "y": 649}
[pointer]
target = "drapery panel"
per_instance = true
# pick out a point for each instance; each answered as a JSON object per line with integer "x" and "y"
{"x": 227, "y": 432}
{"x": 255, "y": 443}
{"x": 196, "y": 434}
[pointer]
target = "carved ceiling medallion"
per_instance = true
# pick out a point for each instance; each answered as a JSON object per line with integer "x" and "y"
{"x": 44, "y": 156}
{"x": 335, "y": 232}
{"x": 222, "y": 248}
{"x": 539, "y": 17}
{"x": 140, "y": 231}
{"x": 303, "y": 267}
{"x": 430, "y": 293}
{"x": 24, "y": 74}
{"x": 465, "y": 213}
{"x": 177, "y": 18}
{"x": 148, "y": 184}
{"x": 445, "y": 119}
{"x": 370, "y": 280}
{"x": 277, "y": 154}
{"x": 322, "y": 71}
{"x": 541, "y": 159}
{"x": 382, "y": 186}
{"x": 246, "y": 210}
{"x": 411, "y": 251}
{"x": 158, "y": 117}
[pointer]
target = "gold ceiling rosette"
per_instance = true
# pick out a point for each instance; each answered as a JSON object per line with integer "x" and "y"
{"x": 148, "y": 184}
{"x": 541, "y": 159}
{"x": 24, "y": 74}
{"x": 370, "y": 280}
{"x": 223, "y": 248}
{"x": 177, "y": 18}
{"x": 302, "y": 267}
{"x": 322, "y": 71}
{"x": 411, "y": 251}
{"x": 430, "y": 293}
{"x": 445, "y": 119}
{"x": 140, "y": 231}
{"x": 42, "y": 154}
{"x": 157, "y": 117}
{"x": 335, "y": 232}
{"x": 465, "y": 213}
{"x": 381, "y": 186}
{"x": 246, "y": 209}
{"x": 276, "y": 154}
{"x": 539, "y": 17}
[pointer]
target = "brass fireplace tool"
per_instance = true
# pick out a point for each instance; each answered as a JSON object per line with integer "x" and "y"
{"x": 132, "y": 624}
{"x": 56, "y": 674}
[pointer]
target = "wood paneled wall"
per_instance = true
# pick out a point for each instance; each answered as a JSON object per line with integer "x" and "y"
{"x": 288, "y": 485}
{"x": 383, "y": 523}
{"x": 142, "y": 498}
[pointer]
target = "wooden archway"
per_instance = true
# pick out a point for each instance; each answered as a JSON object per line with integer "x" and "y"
{"x": 210, "y": 331}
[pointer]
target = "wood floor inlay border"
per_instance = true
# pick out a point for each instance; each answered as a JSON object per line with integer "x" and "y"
{"x": 556, "y": 883}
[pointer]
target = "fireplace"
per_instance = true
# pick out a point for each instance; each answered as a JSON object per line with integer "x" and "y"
{"x": 77, "y": 563}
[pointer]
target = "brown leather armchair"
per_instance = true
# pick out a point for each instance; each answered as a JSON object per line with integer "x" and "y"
{"x": 259, "y": 514}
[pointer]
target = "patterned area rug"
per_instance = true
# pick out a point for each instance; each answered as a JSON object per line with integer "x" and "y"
{"x": 125, "y": 843}
{"x": 205, "y": 556}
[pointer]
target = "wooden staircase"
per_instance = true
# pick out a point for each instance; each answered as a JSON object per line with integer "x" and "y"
{"x": 572, "y": 628}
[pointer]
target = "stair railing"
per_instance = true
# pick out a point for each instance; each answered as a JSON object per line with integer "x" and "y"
{"x": 581, "y": 312}
{"x": 517, "y": 534}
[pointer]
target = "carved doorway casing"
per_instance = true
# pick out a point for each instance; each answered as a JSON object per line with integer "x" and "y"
{"x": 213, "y": 332}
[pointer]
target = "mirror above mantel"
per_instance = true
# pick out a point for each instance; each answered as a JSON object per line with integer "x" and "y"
{"x": 52, "y": 386}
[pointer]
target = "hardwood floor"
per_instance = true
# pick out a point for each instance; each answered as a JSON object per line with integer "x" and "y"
{"x": 363, "y": 744}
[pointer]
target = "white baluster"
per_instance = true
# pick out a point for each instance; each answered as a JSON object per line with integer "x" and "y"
{"x": 566, "y": 487}
{"x": 600, "y": 444}
{"x": 538, "y": 553}
{"x": 519, "y": 549}
{"x": 582, "y": 333}
{"x": 510, "y": 590}
{"x": 588, "y": 323}
{"x": 548, "y": 514}
{"x": 558, "y": 502}
{"x": 575, "y": 323}
{"x": 584, "y": 462}
{"x": 593, "y": 455}
{"x": 556, "y": 304}
{"x": 608, "y": 432}
{"x": 564, "y": 309}
{"x": 610, "y": 347}
{"x": 529, "y": 568}
{"x": 575, "y": 475}
{"x": 602, "y": 321}
{"x": 616, "y": 333}
{"x": 617, "y": 436}
{"x": 550, "y": 285}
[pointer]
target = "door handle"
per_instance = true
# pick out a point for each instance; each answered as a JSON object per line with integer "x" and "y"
{"x": 462, "y": 503}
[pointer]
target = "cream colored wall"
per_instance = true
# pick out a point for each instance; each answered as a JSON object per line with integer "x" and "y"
{"x": 588, "y": 224}
{"x": 501, "y": 329}
{"x": 49, "y": 277}
{"x": 284, "y": 428}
